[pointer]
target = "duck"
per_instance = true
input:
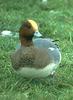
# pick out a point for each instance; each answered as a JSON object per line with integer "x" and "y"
{"x": 35, "y": 57}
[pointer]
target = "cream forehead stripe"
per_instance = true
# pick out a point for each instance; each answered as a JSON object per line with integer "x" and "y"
{"x": 34, "y": 24}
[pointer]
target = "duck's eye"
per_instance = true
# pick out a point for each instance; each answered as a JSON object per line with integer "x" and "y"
{"x": 28, "y": 26}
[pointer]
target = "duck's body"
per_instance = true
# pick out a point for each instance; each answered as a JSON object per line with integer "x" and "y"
{"x": 31, "y": 61}
{"x": 39, "y": 58}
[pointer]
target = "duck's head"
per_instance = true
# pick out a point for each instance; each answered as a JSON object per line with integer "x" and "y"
{"x": 27, "y": 31}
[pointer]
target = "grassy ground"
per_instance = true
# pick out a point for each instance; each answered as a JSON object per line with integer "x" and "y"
{"x": 55, "y": 21}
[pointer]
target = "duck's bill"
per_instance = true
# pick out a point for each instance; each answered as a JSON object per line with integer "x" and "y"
{"x": 37, "y": 34}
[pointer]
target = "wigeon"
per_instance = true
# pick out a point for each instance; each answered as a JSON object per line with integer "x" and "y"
{"x": 38, "y": 57}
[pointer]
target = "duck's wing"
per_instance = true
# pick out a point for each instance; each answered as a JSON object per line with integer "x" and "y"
{"x": 53, "y": 49}
{"x": 44, "y": 42}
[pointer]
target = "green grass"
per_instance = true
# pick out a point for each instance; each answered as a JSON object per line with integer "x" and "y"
{"x": 55, "y": 21}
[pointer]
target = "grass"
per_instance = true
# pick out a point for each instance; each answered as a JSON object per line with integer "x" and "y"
{"x": 55, "y": 21}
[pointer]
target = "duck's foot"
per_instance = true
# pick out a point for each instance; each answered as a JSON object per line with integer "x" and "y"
{"x": 52, "y": 74}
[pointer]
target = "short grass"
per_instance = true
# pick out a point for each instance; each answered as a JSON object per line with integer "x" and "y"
{"x": 55, "y": 21}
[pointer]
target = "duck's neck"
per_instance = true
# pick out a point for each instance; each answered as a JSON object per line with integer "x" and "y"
{"x": 26, "y": 43}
